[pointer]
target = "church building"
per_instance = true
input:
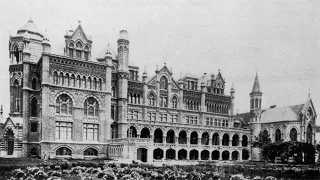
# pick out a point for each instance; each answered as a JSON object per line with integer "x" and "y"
{"x": 289, "y": 123}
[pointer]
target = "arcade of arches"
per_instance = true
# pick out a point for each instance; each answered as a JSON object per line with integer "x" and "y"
{"x": 181, "y": 145}
{"x": 184, "y": 154}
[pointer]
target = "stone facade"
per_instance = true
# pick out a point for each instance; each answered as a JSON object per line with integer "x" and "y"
{"x": 76, "y": 106}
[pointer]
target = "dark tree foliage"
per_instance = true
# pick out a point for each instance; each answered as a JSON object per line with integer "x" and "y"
{"x": 285, "y": 149}
{"x": 262, "y": 139}
{"x": 290, "y": 149}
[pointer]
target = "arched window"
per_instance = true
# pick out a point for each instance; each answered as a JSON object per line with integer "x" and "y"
{"x": 34, "y": 83}
{"x": 34, "y": 103}
{"x": 95, "y": 83}
{"x": 278, "y": 135}
{"x": 293, "y": 134}
{"x": 78, "y": 50}
{"x": 252, "y": 103}
{"x": 61, "y": 79}
{"x": 55, "y": 78}
{"x": 163, "y": 83}
{"x": 73, "y": 80}
{"x": 89, "y": 83}
{"x": 16, "y": 54}
{"x": 257, "y": 103}
{"x": 86, "y": 53}
{"x": 63, "y": 151}
{"x": 16, "y": 96}
{"x": 71, "y": 49}
{"x": 90, "y": 152}
{"x": 309, "y": 134}
{"x": 67, "y": 80}
{"x": 79, "y": 81}
{"x": 91, "y": 107}
{"x": 174, "y": 101}
{"x": 100, "y": 84}
{"x": 64, "y": 104}
{"x": 151, "y": 99}
{"x": 84, "y": 82}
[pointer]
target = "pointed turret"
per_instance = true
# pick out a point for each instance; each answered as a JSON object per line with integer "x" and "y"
{"x": 46, "y": 47}
{"x": 1, "y": 112}
{"x": 145, "y": 74}
{"x": 255, "y": 95}
{"x": 256, "y": 85}
{"x": 232, "y": 91}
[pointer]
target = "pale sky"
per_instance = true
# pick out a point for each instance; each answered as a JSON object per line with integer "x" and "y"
{"x": 279, "y": 39}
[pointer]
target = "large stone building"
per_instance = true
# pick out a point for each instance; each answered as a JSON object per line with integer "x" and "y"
{"x": 76, "y": 106}
{"x": 288, "y": 123}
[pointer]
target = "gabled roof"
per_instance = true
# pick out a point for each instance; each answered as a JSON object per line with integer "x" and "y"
{"x": 79, "y": 28}
{"x": 306, "y": 105}
{"x": 163, "y": 70}
{"x": 13, "y": 121}
{"x": 219, "y": 77}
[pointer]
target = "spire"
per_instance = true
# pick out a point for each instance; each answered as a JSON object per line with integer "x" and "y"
{"x": 256, "y": 85}
{"x": 145, "y": 70}
{"x": 232, "y": 88}
{"x": 1, "y": 109}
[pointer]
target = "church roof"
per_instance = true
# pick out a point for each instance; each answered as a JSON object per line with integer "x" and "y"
{"x": 286, "y": 113}
{"x": 256, "y": 85}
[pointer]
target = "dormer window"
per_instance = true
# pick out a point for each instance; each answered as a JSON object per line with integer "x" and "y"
{"x": 71, "y": 47}
{"x": 78, "y": 50}
{"x": 192, "y": 85}
{"x": 86, "y": 53}
{"x": 163, "y": 83}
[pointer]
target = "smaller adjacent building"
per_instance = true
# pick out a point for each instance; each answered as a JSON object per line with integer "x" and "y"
{"x": 11, "y": 136}
{"x": 288, "y": 123}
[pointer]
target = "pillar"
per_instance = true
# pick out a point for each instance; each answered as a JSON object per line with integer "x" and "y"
{"x": 176, "y": 151}
{"x": 164, "y": 139}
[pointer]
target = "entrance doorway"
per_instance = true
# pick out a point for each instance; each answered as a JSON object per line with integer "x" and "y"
{"x": 10, "y": 140}
{"x": 142, "y": 154}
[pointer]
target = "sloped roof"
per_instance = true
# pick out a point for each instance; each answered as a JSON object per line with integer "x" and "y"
{"x": 30, "y": 27}
{"x": 256, "y": 85}
{"x": 279, "y": 114}
{"x": 245, "y": 117}
{"x": 297, "y": 108}
{"x": 104, "y": 50}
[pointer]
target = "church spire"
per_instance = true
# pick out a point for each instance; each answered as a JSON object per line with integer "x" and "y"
{"x": 256, "y": 85}
{"x": 255, "y": 95}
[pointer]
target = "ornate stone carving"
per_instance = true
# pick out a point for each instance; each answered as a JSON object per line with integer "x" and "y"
{"x": 124, "y": 75}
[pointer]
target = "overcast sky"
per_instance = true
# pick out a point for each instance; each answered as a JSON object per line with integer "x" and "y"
{"x": 278, "y": 39}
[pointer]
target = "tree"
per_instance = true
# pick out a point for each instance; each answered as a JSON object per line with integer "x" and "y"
{"x": 262, "y": 142}
{"x": 262, "y": 139}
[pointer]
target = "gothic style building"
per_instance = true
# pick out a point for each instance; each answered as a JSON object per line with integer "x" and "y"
{"x": 288, "y": 123}
{"x": 77, "y": 106}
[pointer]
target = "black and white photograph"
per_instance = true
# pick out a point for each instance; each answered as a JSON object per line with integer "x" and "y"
{"x": 159, "y": 89}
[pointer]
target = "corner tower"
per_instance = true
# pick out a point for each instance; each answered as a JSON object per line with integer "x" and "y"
{"x": 255, "y": 96}
{"x": 122, "y": 75}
